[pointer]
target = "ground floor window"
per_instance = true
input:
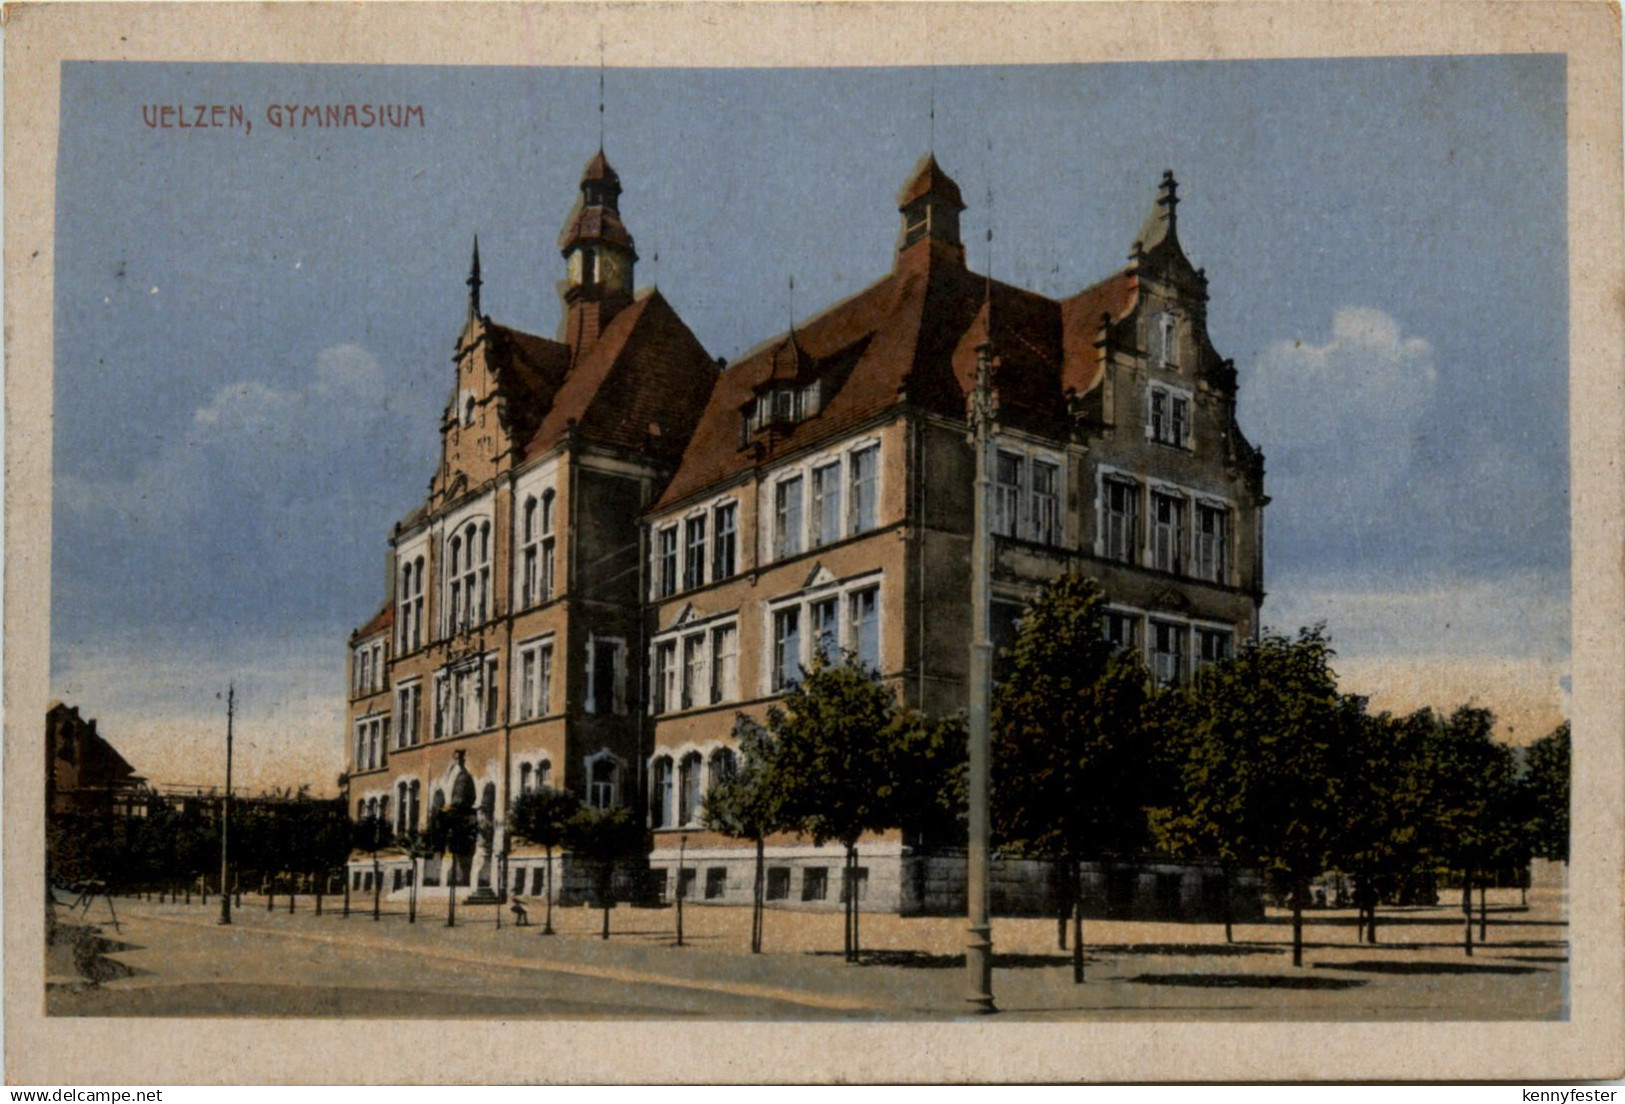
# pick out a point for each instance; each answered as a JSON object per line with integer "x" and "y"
{"x": 862, "y": 880}
{"x": 778, "y": 883}
{"x": 815, "y": 883}
{"x": 538, "y": 881}
{"x": 716, "y": 881}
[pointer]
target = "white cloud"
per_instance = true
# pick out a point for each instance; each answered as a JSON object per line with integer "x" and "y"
{"x": 1338, "y": 421}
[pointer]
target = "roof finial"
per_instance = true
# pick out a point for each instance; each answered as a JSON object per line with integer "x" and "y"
{"x": 792, "y": 305}
{"x": 1170, "y": 196}
{"x": 656, "y": 261}
{"x": 600, "y": 89}
{"x": 474, "y": 282}
{"x": 932, "y": 147}
{"x": 989, "y": 171}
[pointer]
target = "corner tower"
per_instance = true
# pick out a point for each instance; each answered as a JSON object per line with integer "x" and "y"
{"x": 599, "y": 256}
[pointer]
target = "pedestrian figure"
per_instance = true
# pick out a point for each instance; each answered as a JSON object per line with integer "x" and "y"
{"x": 521, "y": 916}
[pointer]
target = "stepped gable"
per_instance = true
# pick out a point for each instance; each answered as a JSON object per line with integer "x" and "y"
{"x": 641, "y": 386}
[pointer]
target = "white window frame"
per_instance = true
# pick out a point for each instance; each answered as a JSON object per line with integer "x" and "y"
{"x": 1181, "y": 500}
{"x": 665, "y": 581}
{"x": 1218, "y": 571}
{"x": 1168, "y": 431}
{"x": 854, "y": 520}
{"x": 693, "y": 567}
{"x": 787, "y": 544}
{"x": 409, "y": 719}
{"x": 715, "y": 511}
{"x": 824, "y": 485}
{"x": 841, "y": 591}
{"x": 539, "y": 702}
{"x": 614, "y": 796}
{"x": 726, "y": 687}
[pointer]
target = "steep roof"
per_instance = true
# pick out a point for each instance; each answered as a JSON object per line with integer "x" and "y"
{"x": 640, "y": 386}
{"x": 911, "y": 335}
{"x": 383, "y": 619}
{"x": 928, "y": 179}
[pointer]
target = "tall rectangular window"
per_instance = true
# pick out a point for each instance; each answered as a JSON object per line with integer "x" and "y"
{"x": 527, "y": 684}
{"x": 693, "y": 669}
{"x": 1046, "y": 502}
{"x": 1122, "y": 517}
{"x": 1007, "y": 494}
{"x": 724, "y": 664}
{"x": 1159, "y": 414}
{"x": 604, "y": 676}
{"x": 865, "y": 475}
{"x": 786, "y": 647}
{"x": 1167, "y": 652}
{"x": 665, "y": 676}
{"x": 725, "y": 540}
{"x": 1214, "y": 644}
{"x": 787, "y": 518}
{"x": 488, "y": 683}
{"x": 1168, "y": 532}
{"x": 544, "y": 680}
{"x": 535, "y": 680}
{"x": 694, "y": 552}
{"x": 865, "y": 619}
{"x": 826, "y": 628}
{"x": 666, "y": 561}
{"x": 1181, "y": 420}
{"x": 826, "y": 504}
{"x": 545, "y": 583}
{"x": 1121, "y": 629}
{"x": 1211, "y": 543}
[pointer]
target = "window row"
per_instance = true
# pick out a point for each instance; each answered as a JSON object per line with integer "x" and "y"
{"x": 367, "y": 668}
{"x": 826, "y": 627}
{"x": 535, "y": 776}
{"x": 834, "y": 499}
{"x": 370, "y": 736}
{"x": 814, "y": 883}
{"x": 700, "y": 668}
{"x": 1185, "y": 535}
{"x": 376, "y": 807}
{"x": 1169, "y": 646}
{"x": 689, "y": 564}
{"x": 677, "y": 795}
{"x": 1027, "y": 498}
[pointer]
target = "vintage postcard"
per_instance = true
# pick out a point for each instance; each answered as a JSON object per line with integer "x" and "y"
{"x": 960, "y": 542}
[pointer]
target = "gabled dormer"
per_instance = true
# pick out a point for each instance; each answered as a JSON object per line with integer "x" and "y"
{"x": 792, "y": 392}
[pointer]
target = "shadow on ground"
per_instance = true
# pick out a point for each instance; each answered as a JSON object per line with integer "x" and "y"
{"x": 1423, "y": 968}
{"x": 1245, "y": 981}
{"x": 922, "y": 960}
{"x": 85, "y": 950}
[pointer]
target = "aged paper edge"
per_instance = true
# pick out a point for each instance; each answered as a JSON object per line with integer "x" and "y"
{"x": 132, "y": 1051}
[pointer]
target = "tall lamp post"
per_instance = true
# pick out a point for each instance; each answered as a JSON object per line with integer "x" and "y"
{"x": 225, "y": 815}
{"x": 979, "y": 929}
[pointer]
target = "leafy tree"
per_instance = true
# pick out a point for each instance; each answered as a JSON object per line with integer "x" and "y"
{"x": 849, "y": 760}
{"x": 1473, "y": 801}
{"x": 748, "y": 804}
{"x": 601, "y": 836}
{"x": 1256, "y": 740}
{"x": 1546, "y": 784}
{"x": 1069, "y": 754}
{"x": 372, "y": 834}
{"x": 542, "y": 817}
{"x": 1382, "y": 841}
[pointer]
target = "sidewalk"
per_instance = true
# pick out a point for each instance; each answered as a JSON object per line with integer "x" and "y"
{"x": 912, "y": 967}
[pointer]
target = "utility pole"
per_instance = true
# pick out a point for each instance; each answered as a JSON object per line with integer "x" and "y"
{"x": 979, "y": 931}
{"x": 225, "y": 815}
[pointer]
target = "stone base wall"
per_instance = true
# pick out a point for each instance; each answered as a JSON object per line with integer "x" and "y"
{"x": 799, "y": 877}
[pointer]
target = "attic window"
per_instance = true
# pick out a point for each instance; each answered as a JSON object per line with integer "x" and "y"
{"x": 916, "y": 225}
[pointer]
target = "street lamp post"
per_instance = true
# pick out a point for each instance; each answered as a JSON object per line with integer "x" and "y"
{"x": 225, "y": 815}
{"x": 979, "y": 929}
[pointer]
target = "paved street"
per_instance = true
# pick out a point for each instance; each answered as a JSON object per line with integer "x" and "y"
{"x": 175, "y": 960}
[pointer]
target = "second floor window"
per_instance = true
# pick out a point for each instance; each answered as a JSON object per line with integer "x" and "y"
{"x": 1211, "y": 543}
{"x": 694, "y": 552}
{"x": 826, "y": 629}
{"x": 1168, "y": 532}
{"x": 409, "y": 704}
{"x": 787, "y": 518}
{"x": 826, "y": 504}
{"x": 725, "y": 540}
{"x": 1007, "y": 494}
{"x": 693, "y": 669}
{"x": 666, "y": 562}
{"x": 866, "y": 626}
{"x": 665, "y": 676}
{"x": 1046, "y": 502}
{"x": 865, "y": 479}
{"x": 535, "y": 680}
{"x": 1122, "y": 520}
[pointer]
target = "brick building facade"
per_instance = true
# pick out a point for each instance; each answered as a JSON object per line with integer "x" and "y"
{"x": 624, "y": 547}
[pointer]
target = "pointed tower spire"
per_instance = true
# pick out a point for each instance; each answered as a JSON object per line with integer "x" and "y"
{"x": 474, "y": 282}
{"x": 600, "y": 255}
{"x": 930, "y": 205}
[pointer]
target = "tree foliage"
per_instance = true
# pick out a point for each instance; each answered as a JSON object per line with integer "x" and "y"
{"x": 1546, "y": 785}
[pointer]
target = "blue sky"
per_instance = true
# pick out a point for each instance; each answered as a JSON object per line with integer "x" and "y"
{"x": 253, "y": 330}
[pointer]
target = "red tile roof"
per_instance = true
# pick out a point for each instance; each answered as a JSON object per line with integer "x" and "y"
{"x": 383, "y": 619}
{"x": 912, "y": 336}
{"x": 641, "y": 386}
{"x": 598, "y": 168}
{"x": 595, "y": 224}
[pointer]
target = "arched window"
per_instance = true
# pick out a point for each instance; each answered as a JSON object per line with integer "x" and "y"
{"x": 688, "y": 789}
{"x": 524, "y": 778}
{"x": 724, "y": 765}
{"x": 454, "y": 603}
{"x": 417, "y": 602}
{"x": 403, "y": 612}
{"x": 660, "y": 798}
{"x": 603, "y": 782}
{"x": 544, "y": 774}
{"x": 468, "y": 410}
